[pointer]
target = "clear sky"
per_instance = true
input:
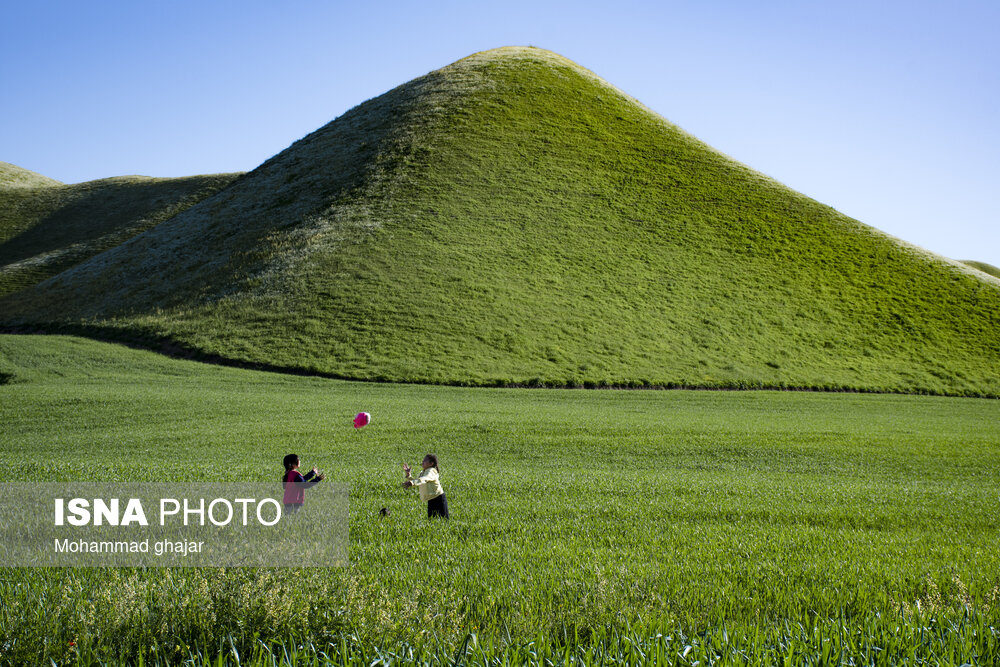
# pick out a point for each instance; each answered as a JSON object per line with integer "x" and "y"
{"x": 887, "y": 110}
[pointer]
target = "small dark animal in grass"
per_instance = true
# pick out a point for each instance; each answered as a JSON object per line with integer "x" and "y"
{"x": 384, "y": 512}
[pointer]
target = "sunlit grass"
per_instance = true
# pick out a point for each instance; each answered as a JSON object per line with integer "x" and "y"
{"x": 988, "y": 269}
{"x": 583, "y": 522}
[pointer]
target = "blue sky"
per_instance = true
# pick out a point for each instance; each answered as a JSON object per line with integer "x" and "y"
{"x": 886, "y": 111}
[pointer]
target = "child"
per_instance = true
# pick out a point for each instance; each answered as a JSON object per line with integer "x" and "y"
{"x": 430, "y": 486}
{"x": 295, "y": 484}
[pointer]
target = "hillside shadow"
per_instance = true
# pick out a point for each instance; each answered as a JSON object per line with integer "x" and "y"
{"x": 96, "y": 210}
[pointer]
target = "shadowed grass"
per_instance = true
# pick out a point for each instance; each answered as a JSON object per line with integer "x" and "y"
{"x": 47, "y": 227}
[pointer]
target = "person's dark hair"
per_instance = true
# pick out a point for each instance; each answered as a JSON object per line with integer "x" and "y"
{"x": 290, "y": 460}
{"x": 434, "y": 461}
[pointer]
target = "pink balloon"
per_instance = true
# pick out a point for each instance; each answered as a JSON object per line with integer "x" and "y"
{"x": 362, "y": 419}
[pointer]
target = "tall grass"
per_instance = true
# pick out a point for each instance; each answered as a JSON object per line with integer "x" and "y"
{"x": 897, "y": 640}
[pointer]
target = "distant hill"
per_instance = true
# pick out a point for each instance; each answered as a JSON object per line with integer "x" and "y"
{"x": 514, "y": 219}
{"x": 984, "y": 267}
{"x": 47, "y": 227}
{"x": 12, "y": 176}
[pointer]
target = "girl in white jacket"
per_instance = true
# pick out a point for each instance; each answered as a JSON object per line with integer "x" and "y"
{"x": 429, "y": 484}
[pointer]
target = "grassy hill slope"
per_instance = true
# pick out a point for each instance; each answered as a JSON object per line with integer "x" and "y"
{"x": 12, "y": 176}
{"x": 47, "y": 227}
{"x": 512, "y": 218}
{"x": 988, "y": 269}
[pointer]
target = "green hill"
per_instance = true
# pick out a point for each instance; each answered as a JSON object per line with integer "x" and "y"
{"x": 12, "y": 176}
{"x": 514, "y": 219}
{"x": 47, "y": 227}
{"x": 984, "y": 267}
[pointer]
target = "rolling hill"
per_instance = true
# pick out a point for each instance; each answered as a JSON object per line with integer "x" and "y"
{"x": 988, "y": 269}
{"x": 47, "y": 227}
{"x": 514, "y": 219}
{"x": 12, "y": 176}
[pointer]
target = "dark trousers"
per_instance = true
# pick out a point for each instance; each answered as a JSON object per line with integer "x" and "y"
{"x": 437, "y": 507}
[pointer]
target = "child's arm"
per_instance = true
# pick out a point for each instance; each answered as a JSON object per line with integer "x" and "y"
{"x": 409, "y": 477}
{"x": 426, "y": 476}
{"x": 410, "y": 481}
{"x": 304, "y": 483}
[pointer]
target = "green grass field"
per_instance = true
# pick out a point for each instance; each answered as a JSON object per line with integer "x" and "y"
{"x": 634, "y": 526}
